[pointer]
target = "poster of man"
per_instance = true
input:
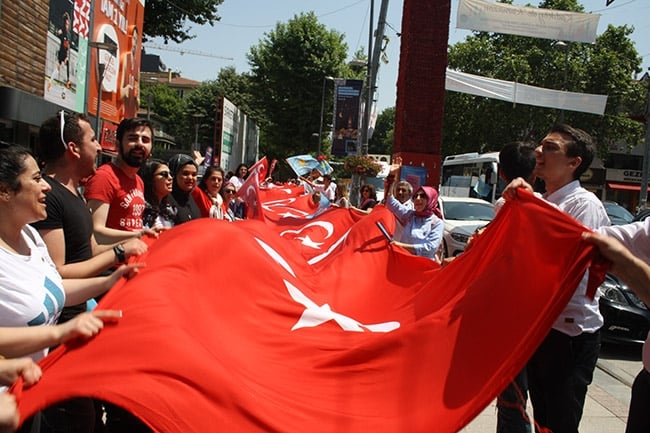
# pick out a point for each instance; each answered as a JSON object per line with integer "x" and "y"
{"x": 61, "y": 55}
{"x": 130, "y": 76}
{"x": 117, "y": 23}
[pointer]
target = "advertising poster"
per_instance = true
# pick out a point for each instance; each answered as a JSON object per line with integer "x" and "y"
{"x": 65, "y": 58}
{"x": 117, "y": 23}
{"x": 230, "y": 145}
{"x": 416, "y": 176}
{"x": 347, "y": 109}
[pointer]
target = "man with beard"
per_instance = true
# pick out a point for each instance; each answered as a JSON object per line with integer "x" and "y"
{"x": 116, "y": 201}
{"x": 115, "y": 193}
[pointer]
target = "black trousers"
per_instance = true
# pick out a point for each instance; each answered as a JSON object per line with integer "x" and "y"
{"x": 638, "y": 419}
{"x": 511, "y": 406}
{"x": 76, "y": 415}
{"x": 558, "y": 376}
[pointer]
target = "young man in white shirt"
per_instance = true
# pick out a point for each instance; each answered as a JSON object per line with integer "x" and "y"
{"x": 561, "y": 369}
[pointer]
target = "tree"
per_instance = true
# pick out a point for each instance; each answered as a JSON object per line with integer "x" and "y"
{"x": 202, "y": 102}
{"x": 287, "y": 71}
{"x": 382, "y": 138}
{"x": 199, "y": 108}
{"x": 161, "y": 100}
{"x": 607, "y": 67}
{"x": 165, "y": 19}
{"x": 237, "y": 88}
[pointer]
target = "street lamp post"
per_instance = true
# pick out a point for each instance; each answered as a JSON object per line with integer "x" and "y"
{"x": 149, "y": 101}
{"x": 643, "y": 197}
{"x": 322, "y": 112}
{"x": 197, "y": 120}
{"x": 101, "y": 71}
{"x": 563, "y": 45}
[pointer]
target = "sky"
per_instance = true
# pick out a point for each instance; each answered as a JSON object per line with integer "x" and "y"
{"x": 244, "y": 24}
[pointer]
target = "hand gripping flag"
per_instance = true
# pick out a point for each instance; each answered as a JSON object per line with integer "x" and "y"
{"x": 366, "y": 338}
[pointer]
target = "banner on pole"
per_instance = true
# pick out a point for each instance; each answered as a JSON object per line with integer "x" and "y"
{"x": 347, "y": 109}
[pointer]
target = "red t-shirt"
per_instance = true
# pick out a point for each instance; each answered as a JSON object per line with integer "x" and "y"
{"x": 124, "y": 195}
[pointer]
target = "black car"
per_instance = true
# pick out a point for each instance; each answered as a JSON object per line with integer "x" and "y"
{"x": 642, "y": 215}
{"x": 627, "y": 318}
{"x": 617, "y": 214}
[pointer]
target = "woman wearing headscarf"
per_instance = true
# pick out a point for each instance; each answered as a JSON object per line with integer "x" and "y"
{"x": 185, "y": 170}
{"x": 422, "y": 226}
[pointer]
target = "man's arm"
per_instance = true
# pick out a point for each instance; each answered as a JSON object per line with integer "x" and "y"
{"x": 55, "y": 241}
{"x": 625, "y": 265}
{"x": 633, "y": 236}
{"x": 103, "y": 234}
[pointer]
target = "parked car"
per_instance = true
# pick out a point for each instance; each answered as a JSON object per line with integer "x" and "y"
{"x": 462, "y": 216}
{"x": 627, "y": 318}
{"x": 618, "y": 215}
{"x": 642, "y": 215}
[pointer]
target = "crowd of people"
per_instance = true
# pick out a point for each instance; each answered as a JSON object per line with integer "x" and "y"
{"x": 62, "y": 250}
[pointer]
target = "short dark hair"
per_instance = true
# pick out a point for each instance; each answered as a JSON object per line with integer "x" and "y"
{"x": 581, "y": 144}
{"x": 129, "y": 125}
{"x": 207, "y": 173}
{"x": 517, "y": 159}
{"x": 50, "y": 144}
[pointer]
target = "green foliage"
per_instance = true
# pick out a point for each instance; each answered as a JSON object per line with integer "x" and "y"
{"x": 288, "y": 67}
{"x": 167, "y": 20}
{"x": 382, "y": 138}
{"x": 476, "y": 124}
{"x": 165, "y": 102}
{"x": 199, "y": 108}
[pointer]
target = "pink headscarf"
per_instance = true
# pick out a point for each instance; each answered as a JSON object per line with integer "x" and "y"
{"x": 432, "y": 204}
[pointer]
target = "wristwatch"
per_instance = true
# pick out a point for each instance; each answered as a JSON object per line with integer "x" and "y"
{"x": 120, "y": 253}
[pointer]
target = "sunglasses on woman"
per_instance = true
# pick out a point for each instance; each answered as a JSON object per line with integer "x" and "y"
{"x": 420, "y": 195}
{"x": 164, "y": 173}
{"x": 229, "y": 191}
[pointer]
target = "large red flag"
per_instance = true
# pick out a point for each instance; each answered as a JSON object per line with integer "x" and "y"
{"x": 366, "y": 338}
{"x": 249, "y": 192}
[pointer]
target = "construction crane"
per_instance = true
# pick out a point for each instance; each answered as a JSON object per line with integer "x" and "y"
{"x": 183, "y": 51}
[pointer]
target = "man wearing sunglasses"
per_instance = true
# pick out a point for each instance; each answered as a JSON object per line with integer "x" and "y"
{"x": 68, "y": 147}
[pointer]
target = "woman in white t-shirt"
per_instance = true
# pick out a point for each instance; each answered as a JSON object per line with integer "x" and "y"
{"x": 32, "y": 293}
{"x": 240, "y": 176}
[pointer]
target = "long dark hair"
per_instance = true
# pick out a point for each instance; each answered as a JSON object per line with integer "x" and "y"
{"x": 240, "y": 166}
{"x": 146, "y": 172}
